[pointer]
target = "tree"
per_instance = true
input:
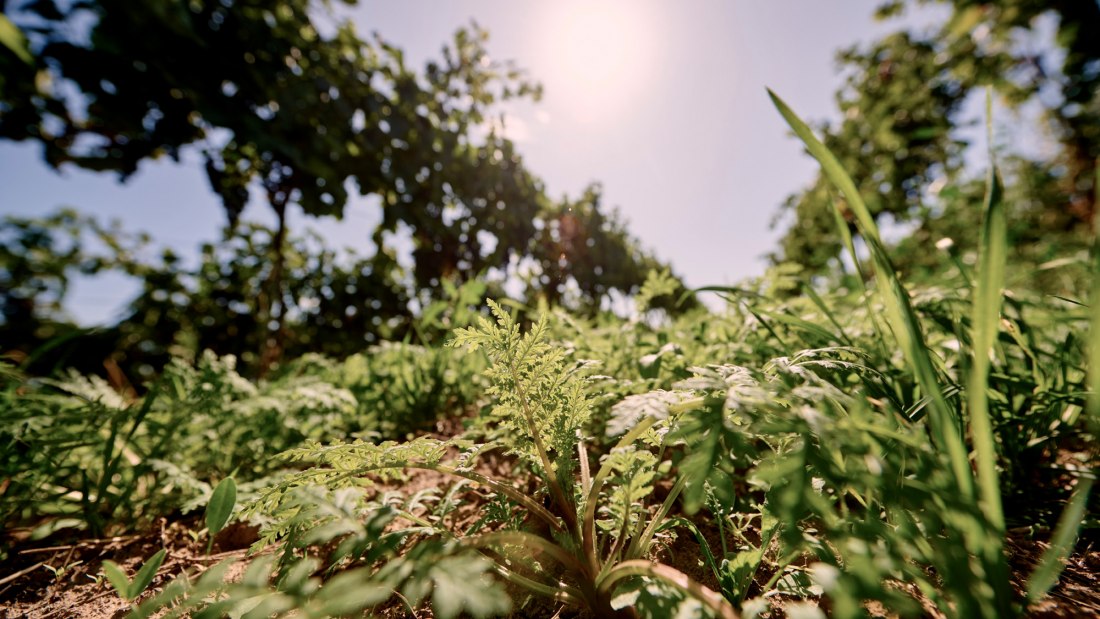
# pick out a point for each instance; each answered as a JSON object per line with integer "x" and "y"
{"x": 903, "y": 101}
{"x": 1064, "y": 79}
{"x": 39, "y": 258}
{"x": 283, "y": 96}
{"x": 576, "y": 243}
{"x": 895, "y": 139}
{"x": 181, "y": 310}
{"x": 268, "y": 97}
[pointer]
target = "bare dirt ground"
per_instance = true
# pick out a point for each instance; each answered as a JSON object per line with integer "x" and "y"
{"x": 61, "y": 577}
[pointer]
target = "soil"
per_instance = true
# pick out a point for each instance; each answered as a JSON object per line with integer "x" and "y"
{"x": 30, "y": 589}
{"x": 60, "y": 577}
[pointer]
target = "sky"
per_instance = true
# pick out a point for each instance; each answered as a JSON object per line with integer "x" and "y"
{"x": 663, "y": 103}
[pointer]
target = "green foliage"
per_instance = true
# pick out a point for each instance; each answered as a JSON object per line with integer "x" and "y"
{"x": 982, "y": 538}
{"x": 336, "y": 302}
{"x": 658, "y": 283}
{"x": 540, "y": 412}
{"x": 1052, "y": 561}
{"x": 457, "y": 586}
{"x": 403, "y": 387}
{"x": 895, "y": 139}
{"x": 899, "y": 138}
{"x": 73, "y": 452}
{"x": 39, "y": 257}
{"x": 308, "y": 107}
{"x": 220, "y": 507}
{"x": 128, "y": 589}
{"x": 286, "y": 97}
{"x": 76, "y": 447}
{"x": 788, "y": 435}
{"x": 867, "y": 438}
{"x": 540, "y": 406}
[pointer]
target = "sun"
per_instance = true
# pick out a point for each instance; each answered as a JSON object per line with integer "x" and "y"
{"x": 599, "y": 54}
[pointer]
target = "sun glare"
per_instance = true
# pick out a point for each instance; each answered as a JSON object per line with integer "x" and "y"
{"x": 599, "y": 54}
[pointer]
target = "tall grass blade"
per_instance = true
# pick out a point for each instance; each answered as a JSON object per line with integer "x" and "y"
{"x": 850, "y": 245}
{"x": 1093, "y": 422}
{"x": 846, "y": 238}
{"x": 117, "y": 578}
{"x": 985, "y": 321}
{"x": 901, "y": 317}
{"x": 828, "y": 313}
{"x": 1052, "y": 562}
{"x": 994, "y": 597}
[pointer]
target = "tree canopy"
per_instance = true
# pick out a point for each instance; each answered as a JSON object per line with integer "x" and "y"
{"x": 903, "y": 102}
{"x": 286, "y": 102}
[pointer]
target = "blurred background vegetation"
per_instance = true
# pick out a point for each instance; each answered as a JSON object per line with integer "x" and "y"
{"x": 286, "y": 99}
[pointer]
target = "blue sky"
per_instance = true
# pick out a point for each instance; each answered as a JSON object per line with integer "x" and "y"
{"x": 669, "y": 113}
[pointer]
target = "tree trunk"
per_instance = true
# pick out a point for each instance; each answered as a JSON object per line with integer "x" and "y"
{"x": 272, "y": 310}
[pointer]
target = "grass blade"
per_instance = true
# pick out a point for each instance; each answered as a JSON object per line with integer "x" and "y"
{"x": 1093, "y": 421}
{"x": 146, "y": 573}
{"x": 1061, "y": 544}
{"x": 828, "y": 313}
{"x": 807, "y": 326}
{"x": 901, "y": 316}
{"x": 849, "y": 244}
{"x": 989, "y": 594}
{"x": 985, "y": 321}
{"x": 12, "y": 38}
{"x": 117, "y": 578}
{"x": 221, "y": 505}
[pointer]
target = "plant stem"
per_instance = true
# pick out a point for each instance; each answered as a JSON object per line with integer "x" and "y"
{"x": 640, "y": 543}
{"x": 715, "y": 602}
{"x": 568, "y": 509}
{"x": 565, "y": 595}
{"x": 520, "y": 538}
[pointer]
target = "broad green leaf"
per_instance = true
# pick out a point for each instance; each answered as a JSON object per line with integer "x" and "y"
{"x": 350, "y": 592}
{"x": 221, "y": 506}
{"x": 460, "y": 584}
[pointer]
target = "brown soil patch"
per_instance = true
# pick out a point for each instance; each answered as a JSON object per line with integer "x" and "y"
{"x": 29, "y": 589}
{"x": 74, "y": 587}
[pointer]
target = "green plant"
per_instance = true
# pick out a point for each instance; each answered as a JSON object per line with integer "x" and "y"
{"x": 60, "y": 572}
{"x": 593, "y": 533}
{"x": 220, "y": 508}
{"x": 128, "y": 589}
{"x": 76, "y": 447}
{"x": 969, "y": 513}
